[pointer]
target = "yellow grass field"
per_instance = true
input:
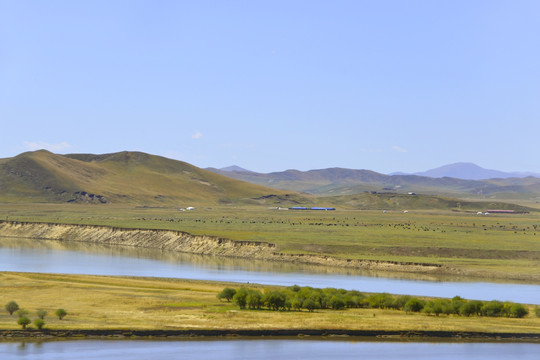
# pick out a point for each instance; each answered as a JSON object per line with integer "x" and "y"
{"x": 106, "y": 302}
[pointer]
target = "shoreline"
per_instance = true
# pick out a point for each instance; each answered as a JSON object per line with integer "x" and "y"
{"x": 113, "y": 307}
{"x": 183, "y": 242}
{"x": 303, "y": 334}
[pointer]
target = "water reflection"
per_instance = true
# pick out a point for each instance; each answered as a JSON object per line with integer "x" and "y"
{"x": 87, "y": 258}
{"x": 220, "y": 263}
{"x": 265, "y": 349}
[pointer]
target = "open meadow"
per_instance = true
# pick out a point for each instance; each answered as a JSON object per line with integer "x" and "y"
{"x": 497, "y": 245}
{"x": 106, "y": 302}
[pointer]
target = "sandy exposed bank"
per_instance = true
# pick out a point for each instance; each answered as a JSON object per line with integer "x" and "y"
{"x": 211, "y": 245}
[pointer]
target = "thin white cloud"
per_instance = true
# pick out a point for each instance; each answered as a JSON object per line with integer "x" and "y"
{"x": 197, "y": 135}
{"x": 399, "y": 149}
{"x": 59, "y": 147}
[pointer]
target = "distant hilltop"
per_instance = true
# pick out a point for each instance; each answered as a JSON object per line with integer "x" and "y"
{"x": 470, "y": 171}
{"x": 460, "y": 179}
{"x": 460, "y": 170}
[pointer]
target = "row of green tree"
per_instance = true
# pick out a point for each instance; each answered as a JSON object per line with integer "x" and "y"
{"x": 308, "y": 298}
{"x": 24, "y": 320}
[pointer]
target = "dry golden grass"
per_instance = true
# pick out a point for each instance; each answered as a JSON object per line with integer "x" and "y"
{"x": 105, "y": 302}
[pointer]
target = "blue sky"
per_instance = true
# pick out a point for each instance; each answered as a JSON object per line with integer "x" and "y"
{"x": 273, "y": 85}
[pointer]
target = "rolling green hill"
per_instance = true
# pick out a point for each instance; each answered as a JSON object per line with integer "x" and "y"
{"x": 339, "y": 181}
{"x": 124, "y": 177}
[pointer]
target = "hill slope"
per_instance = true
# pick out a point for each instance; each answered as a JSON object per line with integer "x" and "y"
{"x": 124, "y": 177}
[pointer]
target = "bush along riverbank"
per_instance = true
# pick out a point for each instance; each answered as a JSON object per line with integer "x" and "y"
{"x": 307, "y": 298}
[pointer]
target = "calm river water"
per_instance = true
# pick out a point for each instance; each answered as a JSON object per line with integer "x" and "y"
{"x": 85, "y": 258}
{"x": 263, "y": 349}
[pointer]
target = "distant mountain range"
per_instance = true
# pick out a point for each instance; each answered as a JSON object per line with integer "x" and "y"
{"x": 137, "y": 178}
{"x": 469, "y": 171}
{"x": 461, "y": 170}
{"x": 453, "y": 180}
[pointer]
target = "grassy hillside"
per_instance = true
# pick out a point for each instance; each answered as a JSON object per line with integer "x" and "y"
{"x": 125, "y": 177}
{"x": 142, "y": 179}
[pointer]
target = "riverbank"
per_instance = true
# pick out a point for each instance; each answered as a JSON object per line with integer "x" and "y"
{"x": 329, "y": 334}
{"x": 178, "y": 241}
{"x": 127, "y": 306}
{"x": 196, "y": 244}
{"x": 497, "y": 247}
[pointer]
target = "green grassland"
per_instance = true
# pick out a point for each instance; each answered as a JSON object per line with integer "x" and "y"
{"x": 107, "y": 302}
{"x": 503, "y": 246}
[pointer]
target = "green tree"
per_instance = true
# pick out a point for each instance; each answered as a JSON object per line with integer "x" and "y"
{"x": 310, "y": 304}
{"x": 227, "y": 294}
{"x": 337, "y": 303}
{"x": 23, "y": 321}
{"x": 537, "y": 311}
{"x": 39, "y": 323}
{"x": 400, "y": 301}
{"x": 414, "y": 305}
{"x": 295, "y": 288}
{"x": 41, "y": 314}
{"x": 296, "y": 304}
{"x": 11, "y": 307}
{"x": 240, "y": 298}
{"x": 275, "y": 300}
{"x": 438, "y": 307}
{"x": 254, "y": 299}
{"x": 428, "y": 308}
{"x": 518, "y": 311}
{"x": 467, "y": 309}
{"x": 61, "y": 313}
{"x": 22, "y": 313}
{"x": 381, "y": 301}
{"x": 456, "y": 304}
{"x": 492, "y": 308}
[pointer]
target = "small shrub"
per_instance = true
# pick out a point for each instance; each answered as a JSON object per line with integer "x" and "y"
{"x": 11, "y": 307}
{"x": 537, "y": 311}
{"x": 22, "y": 313}
{"x": 39, "y": 323}
{"x": 227, "y": 294}
{"x": 41, "y": 314}
{"x": 61, "y": 313}
{"x": 23, "y": 321}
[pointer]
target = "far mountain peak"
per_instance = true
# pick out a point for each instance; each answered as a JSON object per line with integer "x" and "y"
{"x": 234, "y": 168}
{"x": 469, "y": 171}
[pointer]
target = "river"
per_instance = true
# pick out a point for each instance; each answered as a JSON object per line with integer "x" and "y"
{"x": 269, "y": 349}
{"x": 85, "y": 258}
